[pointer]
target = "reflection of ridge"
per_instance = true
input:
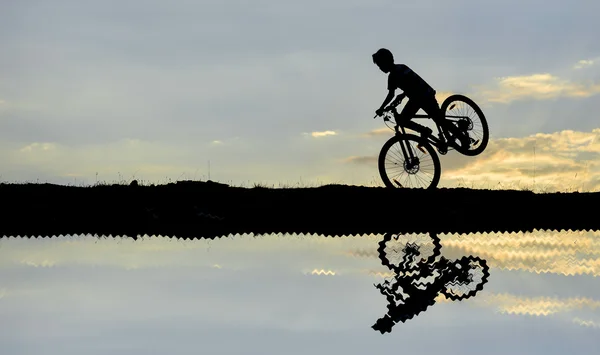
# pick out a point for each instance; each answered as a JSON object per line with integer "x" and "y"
{"x": 409, "y": 292}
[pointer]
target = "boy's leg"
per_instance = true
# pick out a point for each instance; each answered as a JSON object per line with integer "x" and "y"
{"x": 433, "y": 109}
{"x": 408, "y": 113}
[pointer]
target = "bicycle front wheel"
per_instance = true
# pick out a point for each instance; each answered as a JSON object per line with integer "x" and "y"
{"x": 408, "y": 161}
{"x": 405, "y": 252}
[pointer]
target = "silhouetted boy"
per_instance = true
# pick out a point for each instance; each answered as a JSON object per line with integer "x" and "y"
{"x": 419, "y": 93}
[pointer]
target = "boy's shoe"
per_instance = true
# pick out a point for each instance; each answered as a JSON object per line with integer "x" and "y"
{"x": 465, "y": 140}
{"x": 463, "y": 134}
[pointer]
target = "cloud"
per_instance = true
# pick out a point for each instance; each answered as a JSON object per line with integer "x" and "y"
{"x": 566, "y": 159}
{"x": 535, "y": 306}
{"x": 321, "y": 272}
{"x": 543, "y": 86}
{"x": 323, "y": 134}
{"x": 541, "y": 306}
{"x": 586, "y": 323}
{"x": 443, "y": 95}
{"x": 562, "y": 253}
{"x": 584, "y": 63}
{"x": 362, "y": 160}
{"x": 378, "y": 132}
{"x": 38, "y": 147}
{"x": 380, "y": 274}
{"x": 130, "y": 158}
{"x": 301, "y": 254}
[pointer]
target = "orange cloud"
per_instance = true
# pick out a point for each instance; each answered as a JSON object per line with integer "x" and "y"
{"x": 365, "y": 160}
{"x": 558, "y": 161}
{"x": 565, "y": 253}
{"x": 379, "y": 132}
{"x": 323, "y": 134}
{"x": 541, "y": 86}
{"x": 320, "y": 272}
{"x": 535, "y": 306}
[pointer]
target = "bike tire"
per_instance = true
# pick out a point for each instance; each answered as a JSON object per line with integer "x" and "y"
{"x": 401, "y": 138}
{"x": 486, "y": 133}
{"x": 466, "y": 261}
{"x": 432, "y": 243}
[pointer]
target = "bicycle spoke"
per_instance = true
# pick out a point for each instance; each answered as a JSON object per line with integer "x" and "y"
{"x": 477, "y": 132}
{"x": 398, "y": 169}
{"x": 476, "y": 273}
{"x": 402, "y": 164}
{"x": 402, "y": 252}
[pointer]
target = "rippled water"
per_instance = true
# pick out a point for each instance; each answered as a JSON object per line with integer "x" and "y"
{"x": 289, "y": 294}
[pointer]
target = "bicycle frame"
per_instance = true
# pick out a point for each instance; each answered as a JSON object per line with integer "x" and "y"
{"x": 440, "y": 143}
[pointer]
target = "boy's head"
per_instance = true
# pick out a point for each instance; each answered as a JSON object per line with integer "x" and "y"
{"x": 384, "y": 60}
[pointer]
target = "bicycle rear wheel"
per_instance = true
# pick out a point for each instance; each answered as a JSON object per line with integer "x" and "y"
{"x": 406, "y": 160}
{"x": 477, "y": 271}
{"x": 472, "y": 121}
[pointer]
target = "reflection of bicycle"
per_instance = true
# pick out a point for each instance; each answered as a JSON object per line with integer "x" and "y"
{"x": 419, "y": 277}
{"x": 413, "y": 154}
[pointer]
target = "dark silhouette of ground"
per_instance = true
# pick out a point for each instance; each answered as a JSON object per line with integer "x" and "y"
{"x": 408, "y": 293}
{"x": 189, "y": 209}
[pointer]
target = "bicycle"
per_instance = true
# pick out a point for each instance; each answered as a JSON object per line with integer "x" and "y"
{"x": 419, "y": 277}
{"x": 451, "y": 129}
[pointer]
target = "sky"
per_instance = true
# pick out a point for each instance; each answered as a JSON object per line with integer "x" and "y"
{"x": 292, "y": 294}
{"x": 282, "y": 92}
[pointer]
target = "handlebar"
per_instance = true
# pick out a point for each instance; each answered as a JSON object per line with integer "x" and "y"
{"x": 387, "y": 110}
{"x": 391, "y": 107}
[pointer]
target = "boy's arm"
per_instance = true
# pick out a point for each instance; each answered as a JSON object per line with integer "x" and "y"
{"x": 398, "y": 99}
{"x": 387, "y": 100}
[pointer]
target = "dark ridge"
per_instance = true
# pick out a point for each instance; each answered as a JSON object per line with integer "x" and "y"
{"x": 188, "y": 209}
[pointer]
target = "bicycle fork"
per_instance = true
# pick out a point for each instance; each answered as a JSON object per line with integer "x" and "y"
{"x": 410, "y": 158}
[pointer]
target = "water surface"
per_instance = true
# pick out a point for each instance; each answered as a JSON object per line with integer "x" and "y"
{"x": 299, "y": 294}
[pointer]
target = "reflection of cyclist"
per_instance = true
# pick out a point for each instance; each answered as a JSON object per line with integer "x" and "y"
{"x": 420, "y": 296}
{"x": 420, "y": 94}
{"x": 411, "y": 290}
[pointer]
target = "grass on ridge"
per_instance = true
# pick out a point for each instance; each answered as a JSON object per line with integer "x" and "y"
{"x": 375, "y": 182}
